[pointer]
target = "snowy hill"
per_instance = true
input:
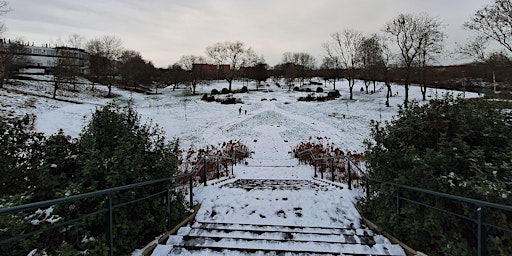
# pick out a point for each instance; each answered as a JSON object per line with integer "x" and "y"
{"x": 270, "y": 129}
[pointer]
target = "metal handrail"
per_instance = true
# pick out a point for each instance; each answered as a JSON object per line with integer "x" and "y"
{"x": 332, "y": 158}
{"x": 109, "y": 202}
{"x": 480, "y": 205}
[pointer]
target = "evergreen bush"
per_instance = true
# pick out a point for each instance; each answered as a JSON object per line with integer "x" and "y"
{"x": 451, "y": 145}
{"x": 113, "y": 150}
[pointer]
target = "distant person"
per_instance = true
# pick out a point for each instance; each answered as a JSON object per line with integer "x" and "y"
{"x": 246, "y": 111}
{"x": 240, "y": 111}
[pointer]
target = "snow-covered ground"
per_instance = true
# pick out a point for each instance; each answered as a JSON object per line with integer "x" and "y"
{"x": 271, "y": 123}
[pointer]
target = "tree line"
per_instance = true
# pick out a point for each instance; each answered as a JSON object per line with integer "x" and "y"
{"x": 405, "y": 51}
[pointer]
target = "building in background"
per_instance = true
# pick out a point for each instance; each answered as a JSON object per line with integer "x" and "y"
{"x": 42, "y": 59}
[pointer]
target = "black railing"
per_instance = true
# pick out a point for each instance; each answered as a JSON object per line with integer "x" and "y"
{"x": 201, "y": 165}
{"x": 479, "y": 206}
{"x": 352, "y": 167}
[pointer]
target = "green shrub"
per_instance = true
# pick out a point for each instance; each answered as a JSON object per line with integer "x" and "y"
{"x": 113, "y": 150}
{"x": 20, "y": 155}
{"x": 455, "y": 146}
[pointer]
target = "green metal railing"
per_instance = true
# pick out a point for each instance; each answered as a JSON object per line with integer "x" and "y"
{"x": 350, "y": 163}
{"x": 480, "y": 207}
{"x": 110, "y": 206}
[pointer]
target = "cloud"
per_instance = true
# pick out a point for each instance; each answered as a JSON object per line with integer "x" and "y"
{"x": 164, "y": 30}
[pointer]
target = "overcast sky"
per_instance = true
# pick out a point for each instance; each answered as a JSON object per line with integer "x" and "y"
{"x": 164, "y": 30}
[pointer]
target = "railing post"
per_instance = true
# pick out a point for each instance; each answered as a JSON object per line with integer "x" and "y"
{"x": 204, "y": 171}
{"x": 398, "y": 203}
{"x": 109, "y": 226}
{"x": 218, "y": 171}
{"x": 349, "y": 175}
{"x": 233, "y": 164}
{"x": 314, "y": 165}
{"x": 482, "y": 234}
{"x": 332, "y": 169}
{"x": 191, "y": 187}
{"x": 168, "y": 207}
{"x": 322, "y": 170}
{"x": 367, "y": 184}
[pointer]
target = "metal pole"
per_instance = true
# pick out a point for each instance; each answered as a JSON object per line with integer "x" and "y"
{"x": 168, "y": 205}
{"x": 482, "y": 234}
{"x": 314, "y": 165}
{"x": 349, "y": 175}
{"x": 322, "y": 170}
{"x": 109, "y": 226}
{"x": 190, "y": 191}
{"x": 218, "y": 171}
{"x": 204, "y": 171}
{"x": 332, "y": 169}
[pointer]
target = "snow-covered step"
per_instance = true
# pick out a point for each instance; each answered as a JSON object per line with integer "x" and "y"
{"x": 283, "y": 228}
{"x": 275, "y": 184}
{"x": 265, "y": 163}
{"x": 250, "y": 245}
{"x": 276, "y": 239}
{"x": 224, "y": 252}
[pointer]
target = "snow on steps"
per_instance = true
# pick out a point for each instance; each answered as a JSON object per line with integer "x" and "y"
{"x": 210, "y": 237}
{"x": 274, "y": 239}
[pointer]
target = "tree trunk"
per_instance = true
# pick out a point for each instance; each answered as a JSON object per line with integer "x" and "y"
{"x": 55, "y": 88}
{"x": 109, "y": 95}
{"x": 406, "y": 100}
{"x": 388, "y": 94}
{"x": 423, "y": 86}
{"x": 230, "y": 81}
{"x": 351, "y": 83}
{"x": 406, "y": 86}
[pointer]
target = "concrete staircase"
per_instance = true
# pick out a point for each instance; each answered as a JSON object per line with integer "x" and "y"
{"x": 213, "y": 237}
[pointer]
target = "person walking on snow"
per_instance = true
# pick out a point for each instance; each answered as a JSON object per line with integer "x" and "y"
{"x": 240, "y": 111}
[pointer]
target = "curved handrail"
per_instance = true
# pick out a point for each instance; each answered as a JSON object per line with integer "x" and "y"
{"x": 482, "y": 224}
{"x": 109, "y": 205}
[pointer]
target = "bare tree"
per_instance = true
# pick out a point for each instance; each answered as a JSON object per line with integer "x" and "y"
{"x": 196, "y": 74}
{"x": 66, "y": 68}
{"x": 76, "y": 41}
{"x": 234, "y": 54}
{"x": 417, "y": 36}
{"x": 476, "y": 48}
{"x": 4, "y": 8}
{"x": 369, "y": 55}
{"x": 342, "y": 50}
{"x": 387, "y": 60}
{"x": 134, "y": 70}
{"x": 493, "y": 22}
{"x": 104, "y": 53}
{"x": 330, "y": 71}
{"x": 301, "y": 62}
{"x": 13, "y": 56}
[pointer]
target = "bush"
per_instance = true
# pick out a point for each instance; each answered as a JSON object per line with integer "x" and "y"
{"x": 454, "y": 146}
{"x": 244, "y": 89}
{"x": 117, "y": 150}
{"x": 225, "y": 91}
{"x": 20, "y": 155}
{"x": 114, "y": 149}
{"x": 319, "y": 89}
{"x": 333, "y": 94}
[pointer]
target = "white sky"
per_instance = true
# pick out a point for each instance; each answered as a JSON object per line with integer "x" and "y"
{"x": 164, "y": 30}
